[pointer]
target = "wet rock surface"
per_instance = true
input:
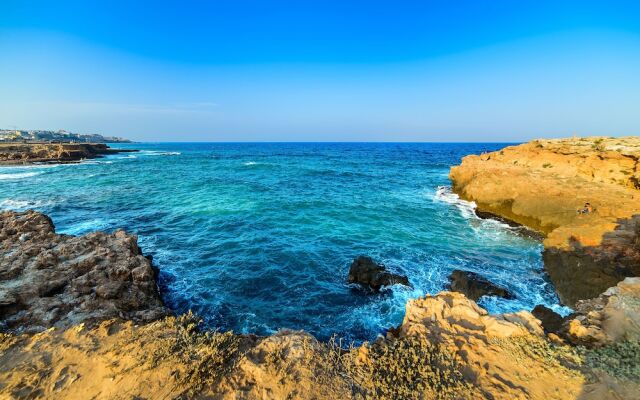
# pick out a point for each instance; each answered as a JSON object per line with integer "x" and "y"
{"x": 475, "y": 286}
{"x": 51, "y": 280}
{"x": 371, "y": 275}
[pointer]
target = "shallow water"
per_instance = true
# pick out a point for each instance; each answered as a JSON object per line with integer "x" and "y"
{"x": 257, "y": 237}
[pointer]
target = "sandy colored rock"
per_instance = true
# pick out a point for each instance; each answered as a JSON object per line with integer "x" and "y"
{"x": 611, "y": 317}
{"x": 27, "y": 153}
{"x": 50, "y": 280}
{"x": 543, "y": 183}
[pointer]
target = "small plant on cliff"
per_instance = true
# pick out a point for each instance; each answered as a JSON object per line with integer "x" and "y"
{"x": 621, "y": 359}
{"x": 412, "y": 368}
{"x": 560, "y": 357}
{"x": 547, "y": 165}
{"x": 207, "y": 355}
{"x": 598, "y": 145}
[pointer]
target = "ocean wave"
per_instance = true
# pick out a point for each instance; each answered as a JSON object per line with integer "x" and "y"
{"x": 159, "y": 153}
{"x": 22, "y": 205}
{"x": 446, "y": 195}
{"x": 18, "y": 176}
{"x": 249, "y": 163}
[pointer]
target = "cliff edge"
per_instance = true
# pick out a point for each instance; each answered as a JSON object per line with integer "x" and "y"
{"x": 82, "y": 318}
{"x": 544, "y": 183}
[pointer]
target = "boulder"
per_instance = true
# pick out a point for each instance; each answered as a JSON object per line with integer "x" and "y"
{"x": 475, "y": 286}
{"x": 551, "y": 320}
{"x": 368, "y": 273}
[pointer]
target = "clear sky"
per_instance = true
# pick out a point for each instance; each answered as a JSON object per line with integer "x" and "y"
{"x": 322, "y": 70}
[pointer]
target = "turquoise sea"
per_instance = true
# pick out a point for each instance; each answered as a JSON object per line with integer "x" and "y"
{"x": 258, "y": 237}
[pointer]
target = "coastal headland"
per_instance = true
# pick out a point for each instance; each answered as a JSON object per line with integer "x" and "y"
{"x": 17, "y": 153}
{"x": 83, "y": 318}
{"x": 545, "y": 185}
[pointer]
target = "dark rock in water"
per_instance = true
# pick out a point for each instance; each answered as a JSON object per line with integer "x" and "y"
{"x": 551, "y": 320}
{"x": 475, "y": 286}
{"x": 488, "y": 215}
{"x": 368, "y": 273}
{"x": 51, "y": 280}
{"x": 519, "y": 228}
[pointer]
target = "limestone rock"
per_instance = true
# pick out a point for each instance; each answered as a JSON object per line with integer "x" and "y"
{"x": 55, "y": 280}
{"x": 368, "y": 273}
{"x": 542, "y": 184}
{"x": 26, "y": 153}
{"x": 613, "y": 316}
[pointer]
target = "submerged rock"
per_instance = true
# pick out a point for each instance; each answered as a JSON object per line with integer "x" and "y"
{"x": 475, "y": 286}
{"x": 368, "y": 273}
{"x": 516, "y": 227}
{"x": 51, "y": 280}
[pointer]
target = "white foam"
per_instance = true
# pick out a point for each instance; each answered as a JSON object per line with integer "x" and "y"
{"x": 249, "y": 163}
{"x": 21, "y": 205}
{"x": 159, "y": 153}
{"x": 467, "y": 208}
{"x": 18, "y": 176}
{"x": 28, "y": 167}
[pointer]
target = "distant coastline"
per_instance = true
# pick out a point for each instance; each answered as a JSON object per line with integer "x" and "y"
{"x": 20, "y": 153}
{"x": 60, "y": 136}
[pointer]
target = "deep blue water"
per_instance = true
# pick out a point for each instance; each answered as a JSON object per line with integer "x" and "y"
{"x": 257, "y": 237}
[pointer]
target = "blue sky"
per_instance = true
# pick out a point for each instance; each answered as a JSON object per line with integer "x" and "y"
{"x": 322, "y": 71}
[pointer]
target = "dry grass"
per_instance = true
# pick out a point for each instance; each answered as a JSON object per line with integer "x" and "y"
{"x": 563, "y": 357}
{"x": 207, "y": 356}
{"x": 411, "y": 368}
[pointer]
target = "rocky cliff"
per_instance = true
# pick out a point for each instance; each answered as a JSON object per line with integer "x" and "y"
{"x": 26, "y": 153}
{"x": 107, "y": 337}
{"x": 542, "y": 184}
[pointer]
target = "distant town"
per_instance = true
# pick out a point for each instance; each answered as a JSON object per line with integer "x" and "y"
{"x": 13, "y": 135}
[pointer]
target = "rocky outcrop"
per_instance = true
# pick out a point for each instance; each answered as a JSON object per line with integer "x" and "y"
{"x": 50, "y": 280}
{"x": 475, "y": 286}
{"x": 369, "y": 274}
{"x": 614, "y": 316}
{"x": 27, "y": 153}
{"x": 551, "y": 321}
{"x": 543, "y": 183}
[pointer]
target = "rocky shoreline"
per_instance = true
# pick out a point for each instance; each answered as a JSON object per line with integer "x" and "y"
{"x": 82, "y": 316}
{"x": 542, "y": 184}
{"x": 31, "y": 153}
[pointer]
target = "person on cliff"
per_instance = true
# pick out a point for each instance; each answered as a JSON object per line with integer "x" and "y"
{"x": 587, "y": 209}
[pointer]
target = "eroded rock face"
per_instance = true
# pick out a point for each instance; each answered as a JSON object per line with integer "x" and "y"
{"x": 583, "y": 272}
{"x": 475, "y": 286}
{"x": 26, "y": 153}
{"x": 611, "y": 317}
{"x": 49, "y": 280}
{"x": 543, "y": 183}
{"x": 367, "y": 273}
